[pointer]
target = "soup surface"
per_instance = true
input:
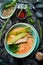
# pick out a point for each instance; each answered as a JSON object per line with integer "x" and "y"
{"x": 20, "y": 40}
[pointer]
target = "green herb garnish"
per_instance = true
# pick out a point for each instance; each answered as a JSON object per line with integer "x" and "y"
{"x": 12, "y": 3}
{"x": 3, "y": 27}
{"x": 31, "y": 20}
{"x": 29, "y": 13}
{"x": 14, "y": 48}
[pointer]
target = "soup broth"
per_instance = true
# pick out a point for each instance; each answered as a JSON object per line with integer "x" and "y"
{"x": 20, "y": 40}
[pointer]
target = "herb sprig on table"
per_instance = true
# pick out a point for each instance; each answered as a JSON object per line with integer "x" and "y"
{"x": 31, "y": 21}
{"x": 3, "y": 27}
{"x": 40, "y": 27}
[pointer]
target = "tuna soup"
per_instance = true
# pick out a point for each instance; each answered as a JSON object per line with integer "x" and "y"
{"x": 20, "y": 40}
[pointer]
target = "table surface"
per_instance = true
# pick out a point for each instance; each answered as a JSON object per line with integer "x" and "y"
{"x": 14, "y": 61}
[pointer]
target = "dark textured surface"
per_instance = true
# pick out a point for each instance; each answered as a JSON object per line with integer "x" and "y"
{"x": 5, "y": 58}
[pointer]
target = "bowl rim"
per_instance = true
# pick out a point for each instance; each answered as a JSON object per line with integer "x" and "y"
{"x": 20, "y": 55}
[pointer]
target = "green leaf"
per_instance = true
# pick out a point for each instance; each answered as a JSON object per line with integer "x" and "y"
{"x": 40, "y": 27}
{"x": 12, "y": 3}
{"x": 14, "y": 48}
{"x": 29, "y": 13}
{"x": 31, "y": 20}
{"x": 3, "y": 27}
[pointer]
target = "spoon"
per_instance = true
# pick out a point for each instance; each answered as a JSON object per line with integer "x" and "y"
{"x": 19, "y": 12}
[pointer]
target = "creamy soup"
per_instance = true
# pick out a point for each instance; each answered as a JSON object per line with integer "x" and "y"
{"x": 20, "y": 40}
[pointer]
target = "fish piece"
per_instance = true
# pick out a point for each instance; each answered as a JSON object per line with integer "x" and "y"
{"x": 16, "y": 38}
{"x": 21, "y": 40}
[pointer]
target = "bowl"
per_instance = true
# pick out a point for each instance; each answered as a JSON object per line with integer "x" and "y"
{"x": 33, "y": 46}
{"x": 37, "y": 43}
{"x": 22, "y": 15}
{"x": 2, "y": 8}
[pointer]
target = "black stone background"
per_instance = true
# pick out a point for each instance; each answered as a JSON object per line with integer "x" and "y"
{"x": 5, "y": 58}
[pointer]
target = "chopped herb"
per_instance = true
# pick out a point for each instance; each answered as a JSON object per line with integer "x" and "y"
{"x": 29, "y": 13}
{"x": 12, "y": 3}
{"x": 14, "y": 48}
{"x": 31, "y": 20}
